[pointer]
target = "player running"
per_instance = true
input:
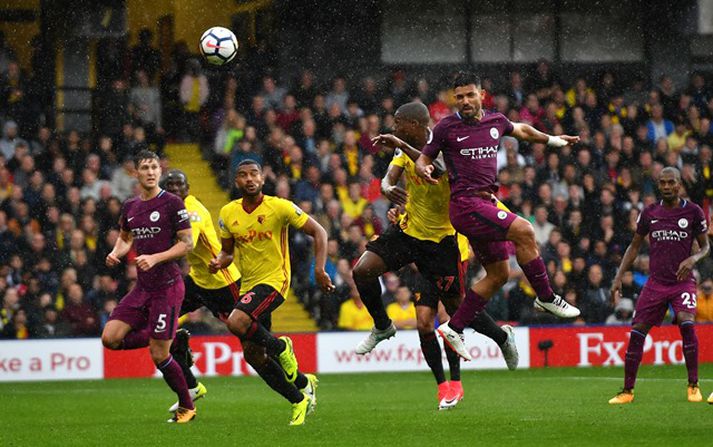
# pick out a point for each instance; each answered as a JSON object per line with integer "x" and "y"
{"x": 424, "y": 236}
{"x": 469, "y": 140}
{"x": 217, "y": 291}
{"x": 671, "y": 225}
{"x": 156, "y": 223}
{"x": 257, "y": 226}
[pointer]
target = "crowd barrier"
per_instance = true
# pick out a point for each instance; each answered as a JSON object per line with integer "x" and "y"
{"x": 333, "y": 352}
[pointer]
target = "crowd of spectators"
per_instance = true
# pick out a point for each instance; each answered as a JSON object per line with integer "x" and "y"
{"x": 61, "y": 192}
{"x": 314, "y": 143}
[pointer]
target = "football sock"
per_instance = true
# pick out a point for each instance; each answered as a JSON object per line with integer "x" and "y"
{"x": 135, "y": 340}
{"x": 261, "y": 336}
{"x": 191, "y": 380}
{"x": 453, "y": 363}
{"x": 273, "y": 375}
{"x": 690, "y": 349}
{"x": 301, "y": 380}
{"x": 370, "y": 293}
{"x": 173, "y": 375}
{"x": 536, "y": 274}
{"x": 634, "y": 352}
{"x": 484, "y": 324}
{"x": 432, "y": 353}
{"x": 467, "y": 311}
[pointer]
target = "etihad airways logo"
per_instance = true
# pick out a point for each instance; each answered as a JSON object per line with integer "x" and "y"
{"x": 669, "y": 235}
{"x": 145, "y": 232}
{"x": 478, "y": 153}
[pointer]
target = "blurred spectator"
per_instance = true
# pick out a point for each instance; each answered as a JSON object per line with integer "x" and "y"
{"x": 144, "y": 56}
{"x": 194, "y": 94}
{"x": 10, "y": 139}
{"x": 79, "y": 314}
{"x": 623, "y": 312}
{"x": 704, "y": 312}
{"x": 658, "y": 126}
{"x": 353, "y": 314}
{"x": 402, "y": 312}
{"x": 145, "y": 102}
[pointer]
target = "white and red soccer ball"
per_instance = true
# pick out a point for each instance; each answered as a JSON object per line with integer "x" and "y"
{"x": 218, "y": 45}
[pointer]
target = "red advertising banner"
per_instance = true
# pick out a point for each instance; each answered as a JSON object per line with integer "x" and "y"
{"x": 213, "y": 355}
{"x": 587, "y": 346}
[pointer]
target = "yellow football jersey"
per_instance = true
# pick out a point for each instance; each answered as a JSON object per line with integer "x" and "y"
{"x": 398, "y": 313}
{"x": 426, "y": 215}
{"x": 205, "y": 247}
{"x": 261, "y": 240}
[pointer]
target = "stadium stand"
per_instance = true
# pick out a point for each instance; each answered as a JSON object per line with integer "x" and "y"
{"x": 60, "y": 192}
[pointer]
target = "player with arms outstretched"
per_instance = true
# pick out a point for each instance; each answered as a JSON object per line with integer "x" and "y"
{"x": 257, "y": 227}
{"x": 469, "y": 140}
{"x": 157, "y": 225}
{"x": 671, "y": 225}
{"x": 424, "y": 236}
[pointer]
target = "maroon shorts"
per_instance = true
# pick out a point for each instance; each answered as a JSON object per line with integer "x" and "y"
{"x": 656, "y": 298}
{"x": 156, "y": 309}
{"x": 485, "y": 225}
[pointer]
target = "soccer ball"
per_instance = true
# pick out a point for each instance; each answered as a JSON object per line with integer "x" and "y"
{"x": 219, "y": 45}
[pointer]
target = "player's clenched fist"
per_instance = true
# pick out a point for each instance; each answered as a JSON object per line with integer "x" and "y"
{"x": 112, "y": 260}
{"x": 146, "y": 262}
{"x": 214, "y": 265}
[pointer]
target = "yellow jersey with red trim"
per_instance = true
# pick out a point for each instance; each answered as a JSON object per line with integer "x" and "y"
{"x": 426, "y": 216}
{"x": 261, "y": 240}
{"x": 205, "y": 247}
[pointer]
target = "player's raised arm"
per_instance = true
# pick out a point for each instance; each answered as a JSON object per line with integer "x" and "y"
{"x": 632, "y": 251}
{"x": 411, "y": 152}
{"x": 121, "y": 248}
{"x": 525, "y": 132}
{"x": 686, "y": 266}
{"x": 183, "y": 246}
{"x": 314, "y": 229}
{"x": 224, "y": 257}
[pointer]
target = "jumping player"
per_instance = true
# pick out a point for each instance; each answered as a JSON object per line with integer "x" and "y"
{"x": 257, "y": 226}
{"x": 217, "y": 291}
{"x": 671, "y": 226}
{"x": 424, "y": 236}
{"x": 469, "y": 140}
{"x": 157, "y": 224}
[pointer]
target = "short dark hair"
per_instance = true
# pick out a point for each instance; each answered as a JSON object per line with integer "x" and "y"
{"x": 250, "y": 161}
{"x": 415, "y": 111}
{"x": 464, "y": 78}
{"x": 144, "y": 154}
{"x": 674, "y": 171}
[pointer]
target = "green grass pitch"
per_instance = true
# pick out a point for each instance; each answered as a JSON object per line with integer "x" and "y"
{"x": 555, "y": 407}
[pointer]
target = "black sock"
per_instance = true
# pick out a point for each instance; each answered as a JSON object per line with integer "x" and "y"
{"x": 484, "y": 324}
{"x": 273, "y": 375}
{"x": 432, "y": 353}
{"x": 301, "y": 380}
{"x": 188, "y": 374}
{"x": 453, "y": 363}
{"x": 370, "y": 293}
{"x": 261, "y": 336}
